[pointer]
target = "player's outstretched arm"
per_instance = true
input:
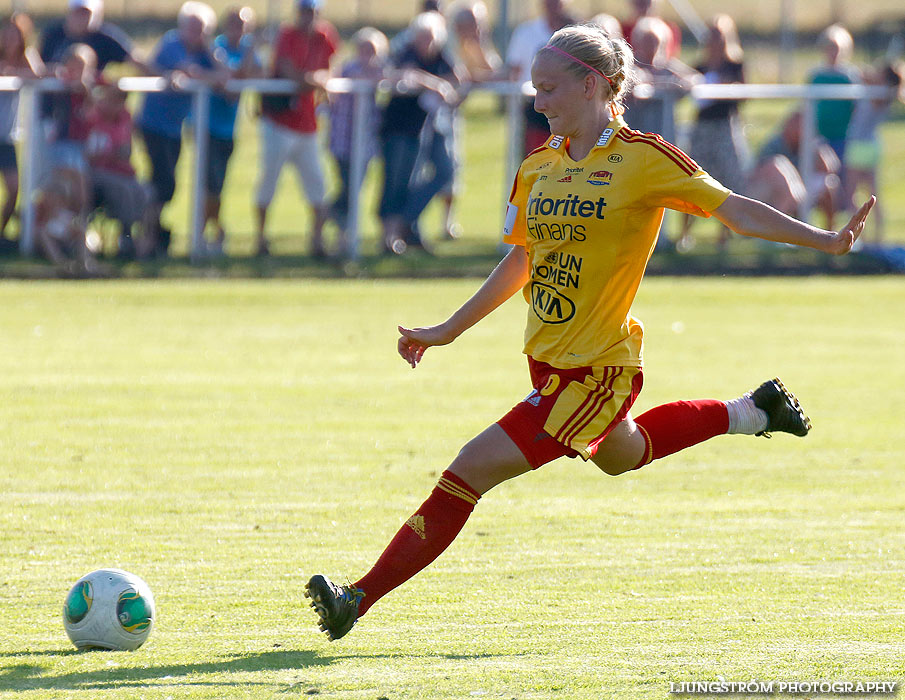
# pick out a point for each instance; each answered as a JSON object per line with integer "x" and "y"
{"x": 506, "y": 279}
{"x": 750, "y": 217}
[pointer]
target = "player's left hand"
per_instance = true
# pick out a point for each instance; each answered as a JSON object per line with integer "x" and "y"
{"x": 844, "y": 239}
{"x": 414, "y": 341}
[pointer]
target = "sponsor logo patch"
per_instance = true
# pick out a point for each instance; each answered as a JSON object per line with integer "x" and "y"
{"x": 556, "y": 142}
{"x": 567, "y": 178}
{"x": 600, "y": 177}
{"x": 615, "y": 158}
{"x": 605, "y": 137}
{"x": 550, "y": 305}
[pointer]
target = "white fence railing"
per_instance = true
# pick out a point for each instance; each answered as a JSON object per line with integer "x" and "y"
{"x": 31, "y": 91}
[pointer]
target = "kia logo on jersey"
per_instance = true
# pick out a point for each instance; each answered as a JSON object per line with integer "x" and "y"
{"x": 551, "y": 305}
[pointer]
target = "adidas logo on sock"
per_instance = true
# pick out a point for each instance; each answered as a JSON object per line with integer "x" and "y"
{"x": 416, "y": 522}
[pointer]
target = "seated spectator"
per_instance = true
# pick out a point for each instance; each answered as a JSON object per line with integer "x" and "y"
{"x": 419, "y": 111}
{"x": 17, "y": 59}
{"x": 68, "y": 128}
{"x": 718, "y": 142}
{"x": 234, "y": 49}
{"x": 182, "y": 52}
{"x": 108, "y": 148}
{"x": 303, "y": 53}
{"x": 368, "y": 63}
{"x": 777, "y": 179}
{"x": 864, "y": 151}
{"x": 59, "y": 228}
{"x": 666, "y": 80}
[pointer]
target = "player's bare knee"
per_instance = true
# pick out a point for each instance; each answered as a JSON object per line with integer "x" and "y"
{"x": 611, "y": 467}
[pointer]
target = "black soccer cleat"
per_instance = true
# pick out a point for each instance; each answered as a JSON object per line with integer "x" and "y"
{"x": 784, "y": 413}
{"x": 336, "y": 606}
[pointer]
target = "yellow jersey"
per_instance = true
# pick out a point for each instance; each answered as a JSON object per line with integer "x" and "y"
{"x": 590, "y": 227}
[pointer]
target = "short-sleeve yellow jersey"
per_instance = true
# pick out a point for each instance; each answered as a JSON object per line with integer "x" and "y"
{"x": 589, "y": 228}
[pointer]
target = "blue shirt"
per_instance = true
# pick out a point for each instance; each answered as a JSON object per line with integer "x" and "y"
{"x": 225, "y": 108}
{"x": 164, "y": 112}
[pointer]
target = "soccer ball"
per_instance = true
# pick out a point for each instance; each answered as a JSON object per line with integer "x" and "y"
{"x": 109, "y": 609}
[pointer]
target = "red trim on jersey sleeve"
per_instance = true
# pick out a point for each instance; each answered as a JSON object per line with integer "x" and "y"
{"x": 676, "y": 155}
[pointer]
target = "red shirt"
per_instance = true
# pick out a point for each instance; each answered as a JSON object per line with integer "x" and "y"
{"x": 109, "y": 142}
{"x": 307, "y": 51}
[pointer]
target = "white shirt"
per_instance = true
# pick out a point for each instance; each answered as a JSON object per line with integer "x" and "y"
{"x": 527, "y": 39}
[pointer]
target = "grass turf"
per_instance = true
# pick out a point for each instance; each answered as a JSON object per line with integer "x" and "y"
{"x": 226, "y": 440}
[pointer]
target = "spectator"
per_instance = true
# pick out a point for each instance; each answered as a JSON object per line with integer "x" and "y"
{"x": 421, "y": 104}
{"x": 663, "y": 80}
{"x": 649, "y": 8}
{"x": 288, "y": 127}
{"x": 833, "y": 116}
{"x": 611, "y": 26}
{"x": 109, "y": 150}
{"x": 182, "y": 53}
{"x": 527, "y": 39}
{"x": 864, "y": 150}
{"x": 371, "y": 49}
{"x": 474, "y": 50}
{"x": 234, "y": 49}
{"x": 78, "y": 72}
{"x": 717, "y": 139}
{"x": 17, "y": 59}
{"x": 777, "y": 177}
{"x": 84, "y": 24}
{"x": 475, "y": 57}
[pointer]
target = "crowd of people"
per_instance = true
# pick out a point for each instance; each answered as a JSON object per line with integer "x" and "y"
{"x": 414, "y": 130}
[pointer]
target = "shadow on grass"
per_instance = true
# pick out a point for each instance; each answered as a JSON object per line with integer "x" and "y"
{"x": 25, "y": 677}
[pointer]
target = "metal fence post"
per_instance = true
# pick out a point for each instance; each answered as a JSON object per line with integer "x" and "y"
{"x": 201, "y": 128}
{"x": 30, "y": 95}
{"x": 360, "y": 146}
{"x": 807, "y": 150}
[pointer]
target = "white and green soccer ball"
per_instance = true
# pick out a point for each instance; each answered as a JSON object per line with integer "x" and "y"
{"x": 109, "y": 609}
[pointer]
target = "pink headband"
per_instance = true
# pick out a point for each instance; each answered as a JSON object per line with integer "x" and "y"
{"x": 577, "y": 60}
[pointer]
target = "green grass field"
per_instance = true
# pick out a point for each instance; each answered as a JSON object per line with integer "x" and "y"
{"x": 225, "y": 440}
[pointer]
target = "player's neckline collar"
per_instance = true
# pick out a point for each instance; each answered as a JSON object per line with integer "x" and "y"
{"x": 603, "y": 142}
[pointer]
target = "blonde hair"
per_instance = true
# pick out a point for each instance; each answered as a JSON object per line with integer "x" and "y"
{"x": 611, "y": 56}
{"x": 432, "y": 22}
{"x": 374, "y": 37}
{"x": 838, "y": 35}
{"x": 725, "y": 26}
{"x": 203, "y": 12}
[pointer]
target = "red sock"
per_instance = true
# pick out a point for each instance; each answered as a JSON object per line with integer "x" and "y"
{"x": 675, "y": 426}
{"x": 421, "y": 540}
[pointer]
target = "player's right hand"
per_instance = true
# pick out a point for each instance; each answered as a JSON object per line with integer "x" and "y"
{"x": 414, "y": 341}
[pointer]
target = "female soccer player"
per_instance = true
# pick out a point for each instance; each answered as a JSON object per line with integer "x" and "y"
{"x": 583, "y": 218}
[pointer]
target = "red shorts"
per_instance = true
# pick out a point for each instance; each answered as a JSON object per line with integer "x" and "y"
{"x": 570, "y": 411}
